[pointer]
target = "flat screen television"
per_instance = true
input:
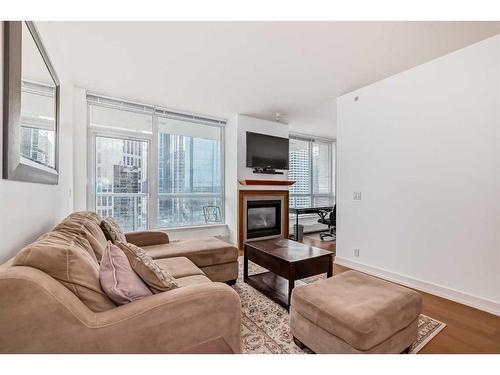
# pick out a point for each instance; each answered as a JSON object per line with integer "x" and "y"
{"x": 266, "y": 152}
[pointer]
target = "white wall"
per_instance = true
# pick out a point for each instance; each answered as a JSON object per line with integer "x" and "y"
{"x": 423, "y": 147}
{"x": 27, "y": 210}
{"x": 231, "y": 177}
{"x": 80, "y": 148}
{"x": 235, "y": 163}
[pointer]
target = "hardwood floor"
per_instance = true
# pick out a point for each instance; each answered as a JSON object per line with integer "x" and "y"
{"x": 468, "y": 330}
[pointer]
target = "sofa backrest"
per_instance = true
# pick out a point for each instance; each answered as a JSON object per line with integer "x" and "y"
{"x": 87, "y": 225}
{"x": 69, "y": 254}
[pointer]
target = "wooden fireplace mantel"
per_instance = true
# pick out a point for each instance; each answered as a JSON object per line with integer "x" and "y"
{"x": 266, "y": 182}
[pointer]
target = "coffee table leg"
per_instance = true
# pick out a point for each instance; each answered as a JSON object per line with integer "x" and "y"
{"x": 291, "y": 284}
{"x": 330, "y": 266}
{"x": 296, "y": 229}
{"x": 245, "y": 264}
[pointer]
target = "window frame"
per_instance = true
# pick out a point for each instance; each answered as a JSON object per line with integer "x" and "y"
{"x": 153, "y": 196}
{"x": 156, "y": 133}
{"x": 332, "y": 180}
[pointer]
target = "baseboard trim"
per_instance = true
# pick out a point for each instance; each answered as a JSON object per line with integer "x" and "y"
{"x": 480, "y": 303}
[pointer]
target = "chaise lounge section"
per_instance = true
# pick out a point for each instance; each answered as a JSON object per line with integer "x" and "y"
{"x": 216, "y": 258}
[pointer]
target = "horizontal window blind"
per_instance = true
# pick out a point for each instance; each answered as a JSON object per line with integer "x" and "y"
{"x": 171, "y": 177}
{"x": 306, "y": 138}
{"x": 152, "y": 109}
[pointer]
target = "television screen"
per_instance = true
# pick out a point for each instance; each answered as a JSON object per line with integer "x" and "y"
{"x": 266, "y": 151}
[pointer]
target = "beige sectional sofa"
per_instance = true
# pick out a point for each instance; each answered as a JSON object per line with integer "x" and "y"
{"x": 69, "y": 313}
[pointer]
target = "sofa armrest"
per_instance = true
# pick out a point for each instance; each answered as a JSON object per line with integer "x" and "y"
{"x": 40, "y": 315}
{"x": 147, "y": 238}
{"x": 173, "y": 321}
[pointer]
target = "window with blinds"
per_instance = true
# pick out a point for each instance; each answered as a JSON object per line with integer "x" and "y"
{"x": 154, "y": 168}
{"x": 310, "y": 165}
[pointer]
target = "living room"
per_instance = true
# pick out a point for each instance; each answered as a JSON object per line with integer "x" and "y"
{"x": 250, "y": 187}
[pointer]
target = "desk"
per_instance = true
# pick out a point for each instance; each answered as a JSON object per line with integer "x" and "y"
{"x": 306, "y": 210}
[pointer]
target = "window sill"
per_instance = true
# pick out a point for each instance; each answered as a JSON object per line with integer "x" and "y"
{"x": 191, "y": 228}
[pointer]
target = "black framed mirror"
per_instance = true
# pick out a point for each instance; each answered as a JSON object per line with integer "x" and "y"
{"x": 31, "y": 107}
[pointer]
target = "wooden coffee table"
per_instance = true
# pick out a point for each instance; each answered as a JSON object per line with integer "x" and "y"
{"x": 287, "y": 262}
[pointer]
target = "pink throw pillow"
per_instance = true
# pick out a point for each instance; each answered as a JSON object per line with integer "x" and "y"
{"x": 118, "y": 280}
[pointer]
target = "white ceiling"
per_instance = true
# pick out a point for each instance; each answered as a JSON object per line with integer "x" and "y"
{"x": 256, "y": 68}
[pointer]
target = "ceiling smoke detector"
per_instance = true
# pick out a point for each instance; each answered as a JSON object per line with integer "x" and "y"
{"x": 279, "y": 117}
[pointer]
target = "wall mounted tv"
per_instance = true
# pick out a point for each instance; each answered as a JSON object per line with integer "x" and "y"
{"x": 266, "y": 153}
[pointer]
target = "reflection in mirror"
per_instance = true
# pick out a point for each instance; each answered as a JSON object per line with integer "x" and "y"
{"x": 38, "y": 105}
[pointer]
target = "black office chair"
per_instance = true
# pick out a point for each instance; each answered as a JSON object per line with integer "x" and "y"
{"x": 328, "y": 218}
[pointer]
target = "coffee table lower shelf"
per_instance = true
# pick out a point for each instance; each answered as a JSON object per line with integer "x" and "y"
{"x": 272, "y": 286}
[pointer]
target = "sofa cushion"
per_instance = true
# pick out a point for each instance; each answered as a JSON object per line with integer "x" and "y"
{"x": 157, "y": 279}
{"x": 192, "y": 280}
{"x": 221, "y": 272}
{"x": 179, "y": 267}
{"x": 112, "y": 230}
{"x": 69, "y": 258}
{"x": 202, "y": 251}
{"x": 87, "y": 225}
{"x": 118, "y": 279}
{"x": 359, "y": 309}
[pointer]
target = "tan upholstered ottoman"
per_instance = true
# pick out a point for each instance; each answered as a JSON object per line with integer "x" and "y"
{"x": 354, "y": 313}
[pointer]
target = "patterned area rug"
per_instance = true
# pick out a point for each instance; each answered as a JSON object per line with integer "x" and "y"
{"x": 265, "y": 324}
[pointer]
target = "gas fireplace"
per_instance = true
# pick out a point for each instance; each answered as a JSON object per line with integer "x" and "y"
{"x": 263, "y": 218}
{"x": 262, "y": 214}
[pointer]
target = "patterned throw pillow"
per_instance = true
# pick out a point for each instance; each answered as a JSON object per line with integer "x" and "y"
{"x": 158, "y": 279}
{"x": 112, "y": 230}
{"x": 118, "y": 279}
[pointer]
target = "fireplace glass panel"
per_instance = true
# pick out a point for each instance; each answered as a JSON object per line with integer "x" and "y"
{"x": 261, "y": 218}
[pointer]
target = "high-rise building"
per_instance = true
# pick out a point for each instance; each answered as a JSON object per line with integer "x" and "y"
{"x": 36, "y": 145}
{"x": 187, "y": 165}
{"x": 120, "y": 165}
{"x": 172, "y": 175}
{"x": 164, "y": 175}
{"x": 299, "y": 171}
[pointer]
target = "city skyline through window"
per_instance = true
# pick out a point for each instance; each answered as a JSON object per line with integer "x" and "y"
{"x": 310, "y": 165}
{"x": 189, "y": 175}
{"x": 37, "y": 123}
{"x": 141, "y": 188}
{"x": 122, "y": 181}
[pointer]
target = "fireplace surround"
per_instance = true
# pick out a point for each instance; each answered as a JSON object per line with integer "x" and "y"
{"x": 262, "y": 214}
